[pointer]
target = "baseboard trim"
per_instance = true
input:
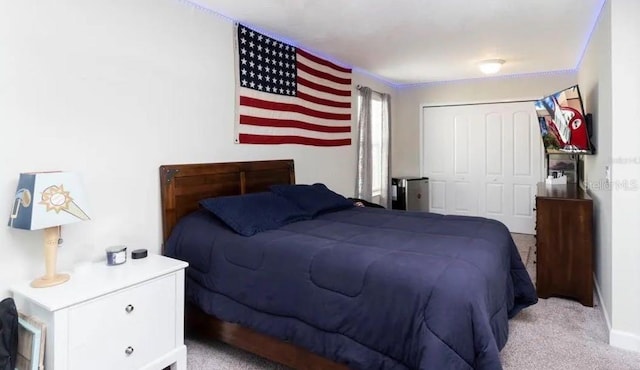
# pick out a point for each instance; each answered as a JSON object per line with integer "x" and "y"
{"x": 624, "y": 340}
{"x": 617, "y": 338}
{"x": 603, "y": 307}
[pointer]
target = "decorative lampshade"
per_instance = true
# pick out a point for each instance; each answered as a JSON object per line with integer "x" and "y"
{"x": 47, "y": 200}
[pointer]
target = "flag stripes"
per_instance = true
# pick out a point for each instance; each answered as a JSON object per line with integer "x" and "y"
{"x": 330, "y": 103}
{"x": 288, "y": 139}
{"x": 261, "y": 121}
{"x": 324, "y": 62}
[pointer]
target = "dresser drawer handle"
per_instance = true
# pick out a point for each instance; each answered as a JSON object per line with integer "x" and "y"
{"x": 129, "y": 351}
{"x": 129, "y": 308}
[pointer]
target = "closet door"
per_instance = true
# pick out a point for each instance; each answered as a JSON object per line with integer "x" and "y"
{"x": 483, "y": 160}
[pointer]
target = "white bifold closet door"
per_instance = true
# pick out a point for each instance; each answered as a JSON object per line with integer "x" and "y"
{"x": 483, "y": 160}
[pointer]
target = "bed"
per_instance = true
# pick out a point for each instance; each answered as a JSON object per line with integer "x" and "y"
{"x": 357, "y": 288}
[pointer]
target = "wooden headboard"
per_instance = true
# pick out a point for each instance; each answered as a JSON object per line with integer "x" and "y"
{"x": 184, "y": 185}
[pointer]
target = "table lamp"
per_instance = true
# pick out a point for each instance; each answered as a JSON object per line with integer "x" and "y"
{"x": 48, "y": 200}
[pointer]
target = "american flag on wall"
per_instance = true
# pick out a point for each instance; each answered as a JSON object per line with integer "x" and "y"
{"x": 286, "y": 95}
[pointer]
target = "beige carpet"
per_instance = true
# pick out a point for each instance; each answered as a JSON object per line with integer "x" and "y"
{"x": 553, "y": 334}
{"x": 559, "y": 333}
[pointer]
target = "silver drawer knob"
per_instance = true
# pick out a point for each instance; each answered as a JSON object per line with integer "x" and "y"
{"x": 129, "y": 308}
{"x": 128, "y": 351}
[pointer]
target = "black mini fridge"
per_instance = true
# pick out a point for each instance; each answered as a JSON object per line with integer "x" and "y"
{"x": 410, "y": 193}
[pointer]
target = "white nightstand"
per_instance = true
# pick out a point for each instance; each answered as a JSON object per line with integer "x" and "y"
{"x": 129, "y": 316}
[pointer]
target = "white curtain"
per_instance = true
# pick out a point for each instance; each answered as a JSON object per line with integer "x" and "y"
{"x": 363, "y": 176}
{"x": 385, "y": 175}
{"x": 365, "y": 171}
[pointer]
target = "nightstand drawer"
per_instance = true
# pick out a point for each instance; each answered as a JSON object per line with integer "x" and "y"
{"x": 125, "y": 329}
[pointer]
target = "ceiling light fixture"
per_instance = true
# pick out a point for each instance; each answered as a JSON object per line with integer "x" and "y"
{"x": 491, "y": 66}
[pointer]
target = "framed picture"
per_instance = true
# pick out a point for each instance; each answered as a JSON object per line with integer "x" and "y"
{"x": 563, "y": 164}
{"x": 31, "y": 337}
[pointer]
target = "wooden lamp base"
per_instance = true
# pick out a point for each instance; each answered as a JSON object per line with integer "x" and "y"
{"x": 44, "y": 281}
{"x": 51, "y": 278}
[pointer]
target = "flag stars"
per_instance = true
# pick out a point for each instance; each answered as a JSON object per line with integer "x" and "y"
{"x": 266, "y": 64}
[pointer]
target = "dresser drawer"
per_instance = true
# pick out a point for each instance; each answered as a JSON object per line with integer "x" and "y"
{"x": 125, "y": 329}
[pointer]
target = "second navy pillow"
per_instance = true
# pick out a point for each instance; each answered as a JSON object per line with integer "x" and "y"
{"x": 315, "y": 199}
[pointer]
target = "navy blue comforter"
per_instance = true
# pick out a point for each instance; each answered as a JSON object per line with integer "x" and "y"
{"x": 371, "y": 288}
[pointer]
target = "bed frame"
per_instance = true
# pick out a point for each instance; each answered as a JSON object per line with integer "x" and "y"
{"x": 182, "y": 186}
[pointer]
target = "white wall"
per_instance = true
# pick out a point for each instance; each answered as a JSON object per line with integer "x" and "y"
{"x": 594, "y": 78}
{"x": 609, "y": 76}
{"x": 625, "y": 173}
{"x": 113, "y": 90}
{"x": 406, "y": 127}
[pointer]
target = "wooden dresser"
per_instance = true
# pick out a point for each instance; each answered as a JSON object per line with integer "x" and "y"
{"x": 564, "y": 241}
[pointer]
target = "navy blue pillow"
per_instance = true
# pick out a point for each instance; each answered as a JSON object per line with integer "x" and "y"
{"x": 315, "y": 199}
{"x": 252, "y": 213}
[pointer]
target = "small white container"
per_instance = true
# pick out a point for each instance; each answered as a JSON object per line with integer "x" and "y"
{"x": 560, "y": 180}
{"x": 116, "y": 255}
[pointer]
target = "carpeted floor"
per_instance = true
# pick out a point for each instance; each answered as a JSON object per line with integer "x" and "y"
{"x": 553, "y": 334}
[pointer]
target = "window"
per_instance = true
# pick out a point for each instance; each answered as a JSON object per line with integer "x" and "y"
{"x": 376, "y": 144}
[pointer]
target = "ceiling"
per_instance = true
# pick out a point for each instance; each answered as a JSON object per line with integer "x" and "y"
{"x": 419, "y": 41}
